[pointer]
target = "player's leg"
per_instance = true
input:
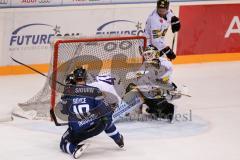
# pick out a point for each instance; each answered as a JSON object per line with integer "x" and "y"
{"x": 67, "y": 143}
{"x": 85, "y": 134}
{"x": 73, "y": 148}
{"x": 73, "y": 141}
{"x": 112, "y": 132}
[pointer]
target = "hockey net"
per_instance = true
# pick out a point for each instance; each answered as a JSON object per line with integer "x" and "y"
{"x": 118, "y": 55}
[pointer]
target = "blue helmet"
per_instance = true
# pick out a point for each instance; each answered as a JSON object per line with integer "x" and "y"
{"x": 80, "y": 74}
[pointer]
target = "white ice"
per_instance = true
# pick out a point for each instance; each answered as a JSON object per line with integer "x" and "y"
{"x": 212, "y": 133}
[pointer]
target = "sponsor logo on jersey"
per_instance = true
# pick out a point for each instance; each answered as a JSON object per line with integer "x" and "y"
{"x": 125, "y": 27}
{"x": 35, "y": 35}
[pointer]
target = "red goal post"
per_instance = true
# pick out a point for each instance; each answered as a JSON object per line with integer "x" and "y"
{"x": 103, "y": 48}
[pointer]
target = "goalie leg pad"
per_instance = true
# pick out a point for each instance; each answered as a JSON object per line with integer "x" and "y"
{"x": 167, "y": 111}
{"x": 161, "y": 108}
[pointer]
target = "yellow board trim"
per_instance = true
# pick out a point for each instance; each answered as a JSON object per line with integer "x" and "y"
{"x": 16, "y": 70}
{"x": 203, "y": 58}
{"x": 185, "y": 59}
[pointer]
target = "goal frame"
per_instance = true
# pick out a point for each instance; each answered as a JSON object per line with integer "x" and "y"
{"x": 57, "y": 43}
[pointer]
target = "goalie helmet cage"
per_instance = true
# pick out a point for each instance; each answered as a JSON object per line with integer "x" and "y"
{"x": 117, "y": 55}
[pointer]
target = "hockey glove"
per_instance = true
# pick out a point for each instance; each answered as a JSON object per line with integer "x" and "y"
{"x": 163, "y": 80}
{"x": 169, "y": 53}
{"x": 175, "y": 22}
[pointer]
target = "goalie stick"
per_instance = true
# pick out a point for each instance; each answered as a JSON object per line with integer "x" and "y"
{"x": 129, "y": 102}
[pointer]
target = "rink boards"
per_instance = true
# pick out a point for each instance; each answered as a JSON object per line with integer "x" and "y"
{"x": 209, "y": 38}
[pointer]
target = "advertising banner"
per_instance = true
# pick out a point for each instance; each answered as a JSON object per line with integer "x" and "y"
{"x": 133, "y": 1}
{"x": 37, "y": 3}
{"x": 21, "y": 3}
{"x": 28, "y": 39}
{"x": 208, "y": 29}
{"x": 72, "y": 2}
{"x": 5, "y": 3}
{"x": 43, "y": 3}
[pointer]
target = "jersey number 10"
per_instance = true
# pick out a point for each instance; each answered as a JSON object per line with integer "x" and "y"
{"x": 81, "y": 109}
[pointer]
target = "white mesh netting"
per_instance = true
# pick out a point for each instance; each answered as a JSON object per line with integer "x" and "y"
{"x": 118, "y": 55}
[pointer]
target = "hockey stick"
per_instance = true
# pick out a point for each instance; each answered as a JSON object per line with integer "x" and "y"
{"x": 173, "y": 41}
{"x": 181, "y": 94}
{"x": 172, "y": 92}
{"x": 54, "y": 118}
{"x": 36, "y": 71}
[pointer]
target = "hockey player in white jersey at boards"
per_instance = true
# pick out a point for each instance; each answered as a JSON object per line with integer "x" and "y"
{"x": 157, "y": 25}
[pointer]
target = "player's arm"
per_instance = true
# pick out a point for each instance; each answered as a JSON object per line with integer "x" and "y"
{"x": 147, "y": 31}
{"x": 166, "y": 77}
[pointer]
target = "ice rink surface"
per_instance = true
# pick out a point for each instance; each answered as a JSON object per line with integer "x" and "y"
{"x": 211, "y": 131}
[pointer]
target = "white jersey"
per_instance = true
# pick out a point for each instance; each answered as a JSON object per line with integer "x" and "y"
{"x": 152, "y": 73}
{"x": 111, "y": 87}
{"x": 156, "y": 28}
{"x": 151, "y": 77}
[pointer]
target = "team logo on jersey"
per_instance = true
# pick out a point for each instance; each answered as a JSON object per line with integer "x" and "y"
{"x": 159, "y": 33}
{"x": 125, "y": 27}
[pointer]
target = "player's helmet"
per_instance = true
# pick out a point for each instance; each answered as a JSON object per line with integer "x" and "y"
{"x": 163, "y": 4}
{"x": 80, "y": 74}
{"x": 70, "y": 79}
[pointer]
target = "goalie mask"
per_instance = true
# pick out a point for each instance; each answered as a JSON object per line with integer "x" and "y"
{"x": 150, "y": 54}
